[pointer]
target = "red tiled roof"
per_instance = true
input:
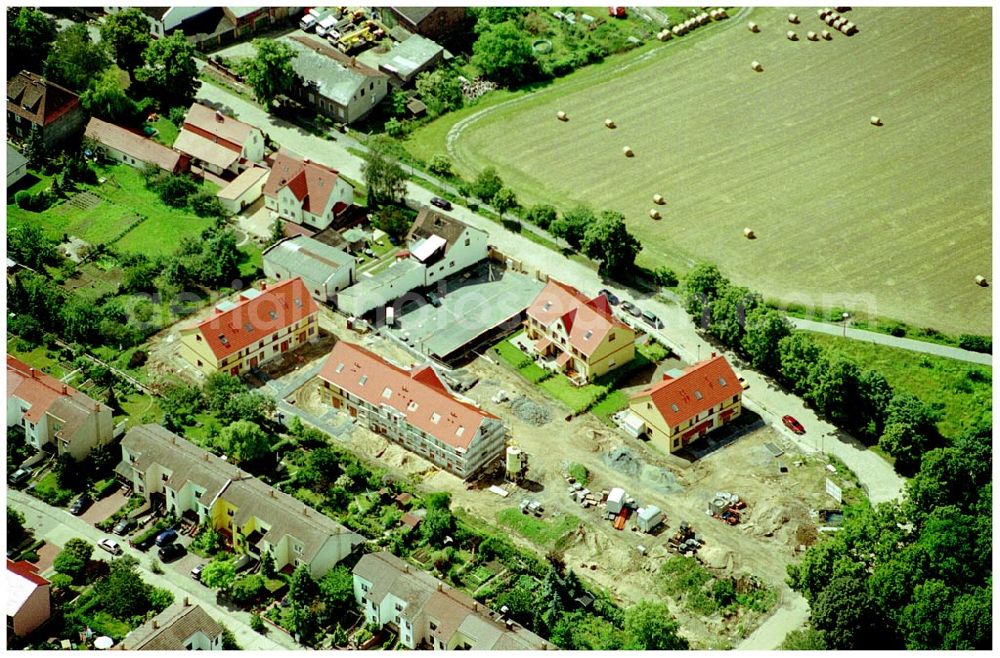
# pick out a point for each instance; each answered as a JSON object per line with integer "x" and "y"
{"x": 43, "y": 392}
{"x": 310, "y": 182}
{"x": 206, "y": 121}
{"x": 26, "y": 570}
{"x": 133, "y": 144}
{"x": 699, "y": 388}
{"x": 417, "y": 394}
{"x": 587, "y": 321}
{"x": 277, "y": 307}
{"x": 37, "y": 100}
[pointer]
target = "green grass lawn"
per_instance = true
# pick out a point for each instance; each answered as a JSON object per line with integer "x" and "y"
{"x": 166, "y": 131}
{"x": 543, "y": 532}
{"x": 577, "y": 398}
{"x": 961, "y": 391}
{"x": 37, "y": 357}
{"x": 141, "y": 409}
{"x": 614, "y": 402}
{"x": 254, "y": 261}
{"x": 521, "y": 362}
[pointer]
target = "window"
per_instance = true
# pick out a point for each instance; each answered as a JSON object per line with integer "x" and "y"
{"x": 197, "y": 494}
{"x": 260, "y": 345}
{"x": 197, "y": 337}
{"x": 697, "y": 394}
{"x": 467, "y": 241}
{"x": 735, "y": 398}
{"x": 312, "y": 330}
{"x": 230, "y": 512}
{"x": 611, "y": 337}
{"x": 199, "y": 362}
{"x": 362, "y": 93}
{"x": 165, "y": 477}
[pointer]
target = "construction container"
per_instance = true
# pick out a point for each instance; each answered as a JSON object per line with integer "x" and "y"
{"x": 616, "y": 500}
{"x": 649, "y": 518}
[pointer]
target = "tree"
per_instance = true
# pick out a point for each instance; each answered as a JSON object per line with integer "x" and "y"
{"x": 806, "y": 639}
{"x": 66, "y": 470}
{"x": 765, "y": 328}
{"x": 487, "y": 184}
{"x": 970, "y": 621}
{"x": 848, "y": 617}
{"x": 245, "y": 590}
{"x": 169, "y": 72}
{"x": 440, "y": 165}
{"x": 123, "y": 594}
{"x": 16, "y": 530}
{"x": 219, "y": 574}
{"x": 30, "y": 34}
{"x": 487, "y": 16}
{"x": 701, "y": 285}
{"x": 269, "y": 73}
{"x": 384, "y": 177}
{"x": 176, "y": 190}
{"x": 835, "y": 391}
{"x": 875, "y": 394}
{"x": 393, "y": 220}
{"x": 35, "y": 151}
{"x": 337, "y": 588}
{"x": 665, "y": 277}
{"x": 28, "y": 245}
{"x": 81, "y": 320}
{"x": 440, "y": 90}
{"x": 75, "y": 59}
{"x": 799, "y": 359}
{"x": 438, "y": 524}
{"x": 541, "y": 215}
{"x": 649, "y": 626}
{"x": 105, "y": 98}
{"x": 909, "y": 431}
{"x": 504, "y": 54}
{"x": 968, "y": 459}
{"x": 729, "y": 310}
{"x": 303, "y": 592}
{"x": 505, "y": 200}
{"x": 127, "y": 34}
{"x": 139, "y": 273}
{"x": 208, "y": 541}
{"x": 180, "y": 403}
{"x": 220, "y": 260}
{"x": 68, "y": 563}
{"x": 243, "y": 441}
{"x": 609, "y": 241}
{"x": 573, "y": 224}
{"x": 277, "y": 232}
{"x": 206, "y": 204}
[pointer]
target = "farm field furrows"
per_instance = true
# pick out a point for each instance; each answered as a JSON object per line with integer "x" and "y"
{"x": 894, "y": 220}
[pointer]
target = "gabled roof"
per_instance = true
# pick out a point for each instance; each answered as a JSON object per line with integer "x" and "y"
{"x": 451, "y": 609}
{"x": 38, "y": 100}
{"x": 430, "y": 222}
{"x": 215, "y": 123}
{"x": 14, "y": 159}
{"x": 174, "y": 626}
{"x": 417, "y": 394}
{"x": 256, "y": 316}
{"x": 49, "y": 395}
{"x": 310, "y": 182}
{"x": 307, "y": 257}
{"x": 204, "y": 149}
{"x": 21, "y": 582}
{"x": 699, "y": 388}
{"x": 587, "y": 321}
{"x": 242, "y": 183}
{"x": 335, "y": 75}
{"x": 133, "y": 144}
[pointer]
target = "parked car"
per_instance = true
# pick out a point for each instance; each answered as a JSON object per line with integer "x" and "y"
{"x": 125, "y": 526}
{"x": 170, "y": 552}
{"x": 631, "y": 309}
{"x": 744, "y": 383}
{"x": 245, "y": 562}
{"x": 196, "y": 572}
{"x": 20, "y": 476}
{"x": 652, "y": 320}
{"x": 166, "y": 537}
{"x": 443, "y": 204}
{"x": 612, "y": 298}
{"x": 111, "y": 546}
{"x": 793, "y": 424}
{"x": 78, "y": 506}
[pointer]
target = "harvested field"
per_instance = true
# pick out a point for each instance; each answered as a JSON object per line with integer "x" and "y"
{"x": 891, "y": 219}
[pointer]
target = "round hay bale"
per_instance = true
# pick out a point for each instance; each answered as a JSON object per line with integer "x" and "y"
{"x": 753, "y": 27}
{"x": 714, "y": 14}
{"x": 981, "y": 281}
{"x": 812, "y": 36}
{"x": 838, "y": 23}
{"x": 627, "y": 150}
{"x": 658, "y": 200}
{"x": 826, "y": 34}
{"x": 678, "y": 30}
{"x": 703, "y": 19}
{"x": 721, "y": 13}
{"x": 876, "y": 121}
{"x": 755, "y": 65}
{"x": 609, "y": 123}
{"x": 654, "y": 213}
{"x": 792, "y": 36}
{"x": 664, "y": 35}
{"x": 823, "y": 13}
{"x": 830, "y": 19}
{"x": 562, "y": 116}
{"x": 793, "y": 19}
{"x": 749, "y": 234}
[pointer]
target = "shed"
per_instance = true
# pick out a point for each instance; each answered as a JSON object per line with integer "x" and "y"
{"x": 632, "y": 424}
{"x": 616, "y": 500}
{"x": 355, "y": 238}
{"x": 244, "y": 190}
{"x": 649, "y": 518}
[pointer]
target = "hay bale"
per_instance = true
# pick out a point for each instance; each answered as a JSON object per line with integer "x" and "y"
{"x": 714, "y": 14}
{"x": 753, "y": 27}
{"x": 678, "y": 30}
{"x": 562, "y": 116}
{"x": 658, "y": 200}
{"x": 654, "y": 213}
{"x": 838, "y": 23}
{"x": 830, "y": 19}
{"x": 703, "y": 19}
{"x": 981, "y": 281}
{"x": 609, "y": 123}
{"x": 721, "y": 13}
{"x": 749, "y": 234}
{"x": 627, "y": 150}
{"x": 823, "y": 13}
{"x": 792, "y": 36}
{"x": 826, "y": 34}
{"x": 849, "y": 28}
{"x": 664, "y": 35}
{"x": 755, "y": 65}
{"x": 793, "y": 19}
{"x": 812, "y": 36}
{"x": 876, "y": 121}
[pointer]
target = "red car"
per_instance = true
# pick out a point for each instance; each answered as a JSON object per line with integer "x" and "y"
{"x": 793, "y": 424}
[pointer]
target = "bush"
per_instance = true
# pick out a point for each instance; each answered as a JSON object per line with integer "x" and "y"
{"x": 257, "y": 624}
{"x": 665, "y": 277}
{"x": 440, "y": 165}
{"x": 206, "y": 204}
{"x": 395, "y": 128}
{"x": 974, "y": 343}
{"x": 30, "y": 556}
{"x": 24, "y": 200}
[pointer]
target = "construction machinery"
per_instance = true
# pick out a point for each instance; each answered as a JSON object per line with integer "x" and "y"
{"x": 366, "y": 34}
{"x": 684, "y": 541}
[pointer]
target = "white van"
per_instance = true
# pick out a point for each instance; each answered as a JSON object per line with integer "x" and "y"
{"x": 326, "y": 25}
{"x": 308, "y": 22}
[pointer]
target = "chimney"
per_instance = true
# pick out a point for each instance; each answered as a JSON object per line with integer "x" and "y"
{"x": 305, "y": 160}
{"x": 187, "y": 602}
{"x": 34, "y": 375}
{"x": 206, "y": 456}
{"x": 439, "y": 587}
{"x": 156, "y": 624}
{"x": 713, "y": 355}
{"x": 263, "y": 285}
{"x": 219, "y": 117}
{"x": 64, "y": 390}
{"x": 406, "y": 568}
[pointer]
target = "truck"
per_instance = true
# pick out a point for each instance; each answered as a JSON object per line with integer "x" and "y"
{"x": 326, "y": 25}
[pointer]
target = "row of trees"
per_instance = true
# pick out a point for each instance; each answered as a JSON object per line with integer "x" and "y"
{"x": 916, "y": 576}
{"x": 861, "y": 401}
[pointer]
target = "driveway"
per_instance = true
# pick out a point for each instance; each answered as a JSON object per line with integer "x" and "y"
{"x": 59, "y": 526}
{"x": 104, "y": 508}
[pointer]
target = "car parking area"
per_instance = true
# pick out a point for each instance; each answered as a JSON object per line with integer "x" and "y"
{"x": 102, "y": 509}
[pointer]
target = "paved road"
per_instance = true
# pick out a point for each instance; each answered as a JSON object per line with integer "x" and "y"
{"x": 58, "y": 526}
{"x": 902, "y": 343}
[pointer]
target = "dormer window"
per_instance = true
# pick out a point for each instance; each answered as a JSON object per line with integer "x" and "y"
{"x": 339, "y": 368}
{"x": 697, "y": 395}
{"x": 363, "y": 380}
{"x": 675, "y": 407}
{"x": 587, "y": 335}
{"x": 547, "y": 305}
{"x": 435, "y": 418}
